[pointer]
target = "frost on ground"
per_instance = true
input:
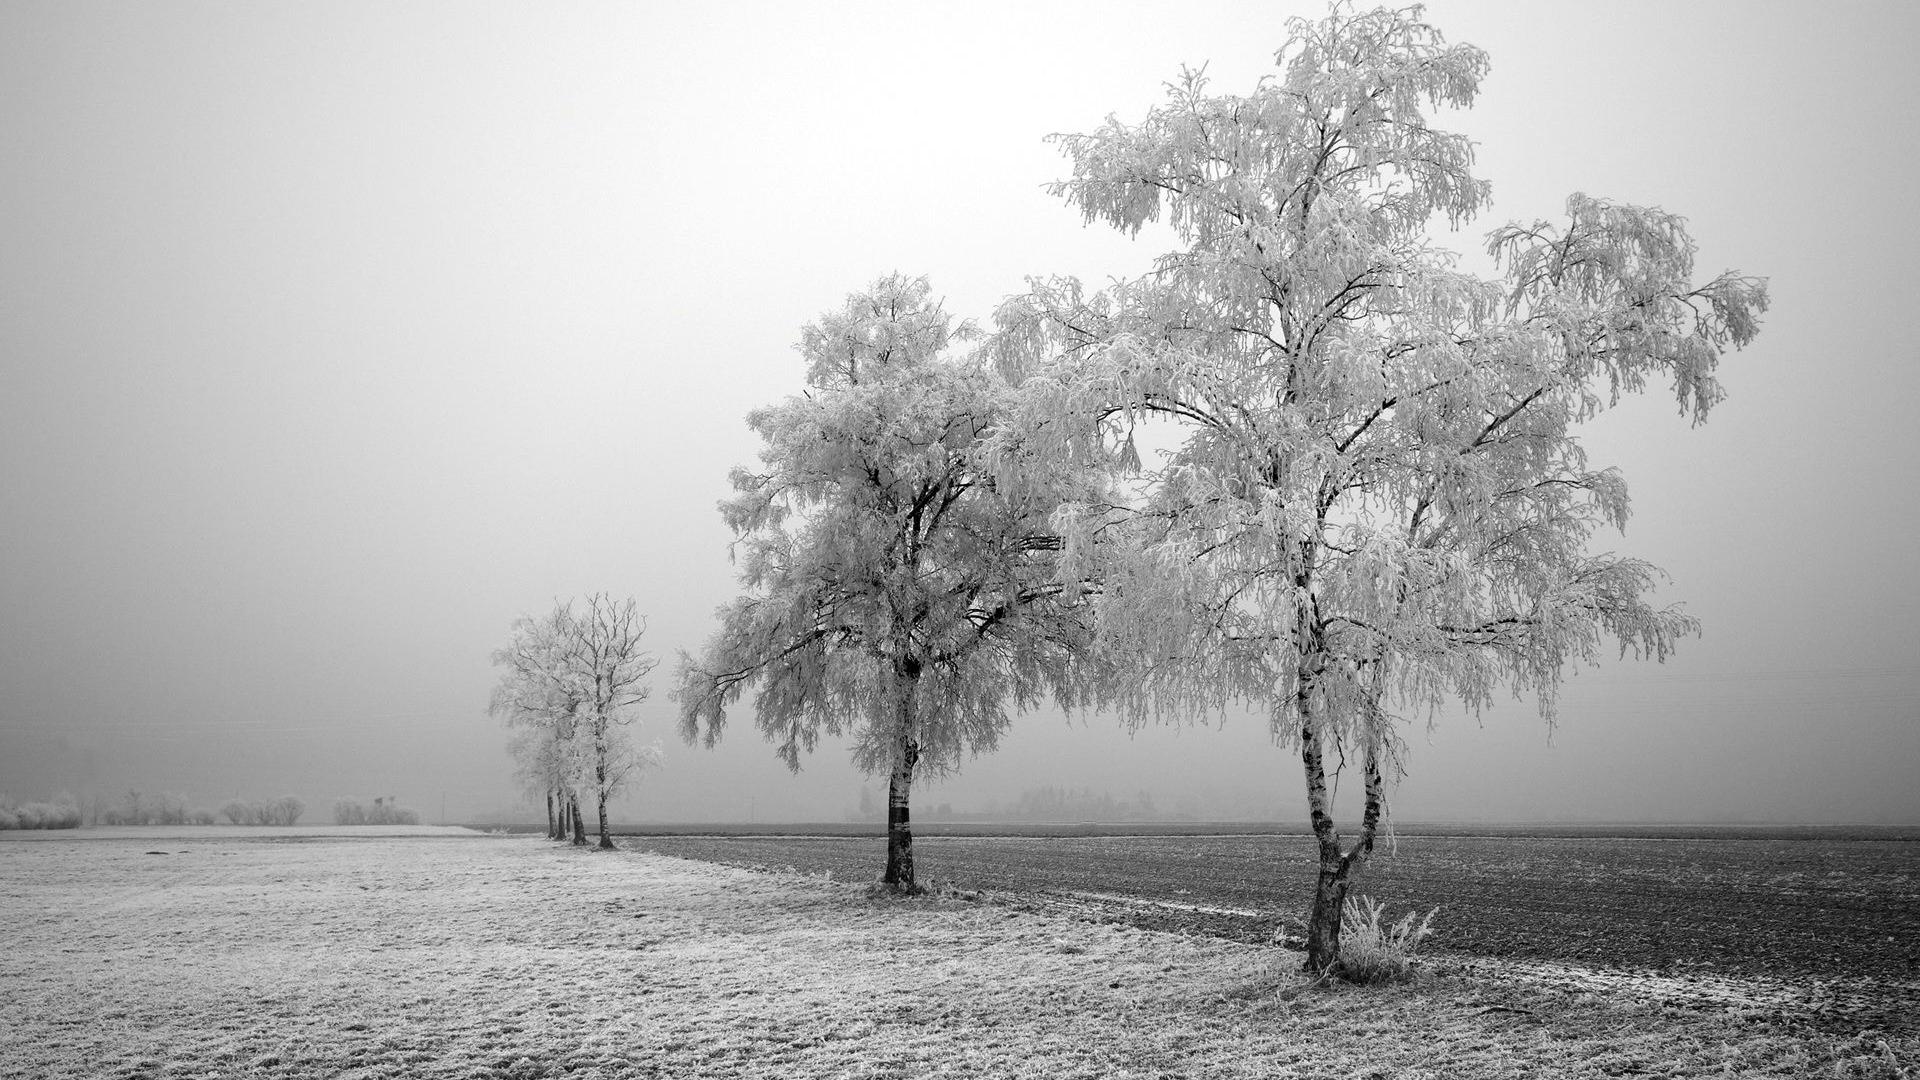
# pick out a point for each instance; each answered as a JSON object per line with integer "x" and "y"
{"x": 230, "y": 832}
{"x": 443, "y": 956}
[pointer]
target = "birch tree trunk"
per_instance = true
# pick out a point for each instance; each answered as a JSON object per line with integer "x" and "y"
{"x": 579, "y": 822}
{"x": 553, "y": 819}
{"x": 1337, "y": 867}
{"x": 600, "y": 782}
{"x": 899, "y": 826}
{"x": 1330, "y": 887}
{"x": 606, "y": 842}
{"x": 899, "y": 874}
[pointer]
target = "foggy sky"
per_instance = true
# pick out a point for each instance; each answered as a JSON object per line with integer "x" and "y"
{"x": 333, "y": 337}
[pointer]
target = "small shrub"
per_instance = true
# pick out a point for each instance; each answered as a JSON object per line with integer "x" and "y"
{"x": 133, "y": 810}
{"x": 40, "y": 815}
{"x": 202, "y": 816}
{"x": 386, "y": 810}
{"x": 285, "y": 810}
{"x": 167, "y": 809}
{"x": 1373, "y": 953}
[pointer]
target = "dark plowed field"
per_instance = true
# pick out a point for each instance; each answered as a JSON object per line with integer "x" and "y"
{"x": 1823, "y": 908}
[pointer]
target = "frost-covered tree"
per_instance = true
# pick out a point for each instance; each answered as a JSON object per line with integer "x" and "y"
{"x": 538, "y": 696}
{"x": 541, "y": 767}
{"x": 895, "y": 592}
{"x": 570, "y": 684}
{"x": 1377, "y": 503}
{"x": 605, "y": 657}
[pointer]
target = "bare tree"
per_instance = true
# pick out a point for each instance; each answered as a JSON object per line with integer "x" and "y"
{"x": 571, "y": 683}
{"x": 605, "y": 659}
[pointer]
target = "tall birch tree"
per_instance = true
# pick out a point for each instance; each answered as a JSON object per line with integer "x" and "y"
{"x": 1377, "y": 503}
{"x": 893, "y": 591}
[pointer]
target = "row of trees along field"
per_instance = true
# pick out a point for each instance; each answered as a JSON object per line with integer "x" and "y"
{"x": 1374, "y": 502}
{"x": 568, "y": 687}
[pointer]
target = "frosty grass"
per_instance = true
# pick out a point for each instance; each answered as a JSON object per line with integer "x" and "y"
{"x": 179, "y": 953}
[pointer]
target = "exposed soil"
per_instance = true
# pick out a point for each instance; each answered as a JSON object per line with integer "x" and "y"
{"x": 1831, "y": 924}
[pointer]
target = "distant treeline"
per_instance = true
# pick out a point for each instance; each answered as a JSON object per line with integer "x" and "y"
{"x": 137, "y": 807}
{"x": 167, "y": 808}
{"x": 134, "y": 808}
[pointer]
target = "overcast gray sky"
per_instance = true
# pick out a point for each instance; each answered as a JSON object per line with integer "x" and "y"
{"x": 334, "y": 336}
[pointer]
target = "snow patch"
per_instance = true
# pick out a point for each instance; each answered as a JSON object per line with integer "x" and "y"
{"x": 1164, "y": 905}
{"x": 1693, "y": 990}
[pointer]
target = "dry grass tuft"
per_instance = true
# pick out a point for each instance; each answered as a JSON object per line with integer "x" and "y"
{"x": 1372, "y": 952}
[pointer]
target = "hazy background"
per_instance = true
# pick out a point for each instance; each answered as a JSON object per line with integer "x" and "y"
{"x": 335, "y": 336}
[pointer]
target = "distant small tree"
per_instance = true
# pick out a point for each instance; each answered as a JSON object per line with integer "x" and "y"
{"x": 1377, "y": 501}
{"x": 541, "y": 767}
{"x": 538, "y": 694}
{"x": 895, "y": 591}
{"x": 605, "y": 658}
{"x": 571, "y": 682}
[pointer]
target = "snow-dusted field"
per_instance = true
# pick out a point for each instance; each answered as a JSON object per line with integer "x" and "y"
{"x": 439, "y": 953}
